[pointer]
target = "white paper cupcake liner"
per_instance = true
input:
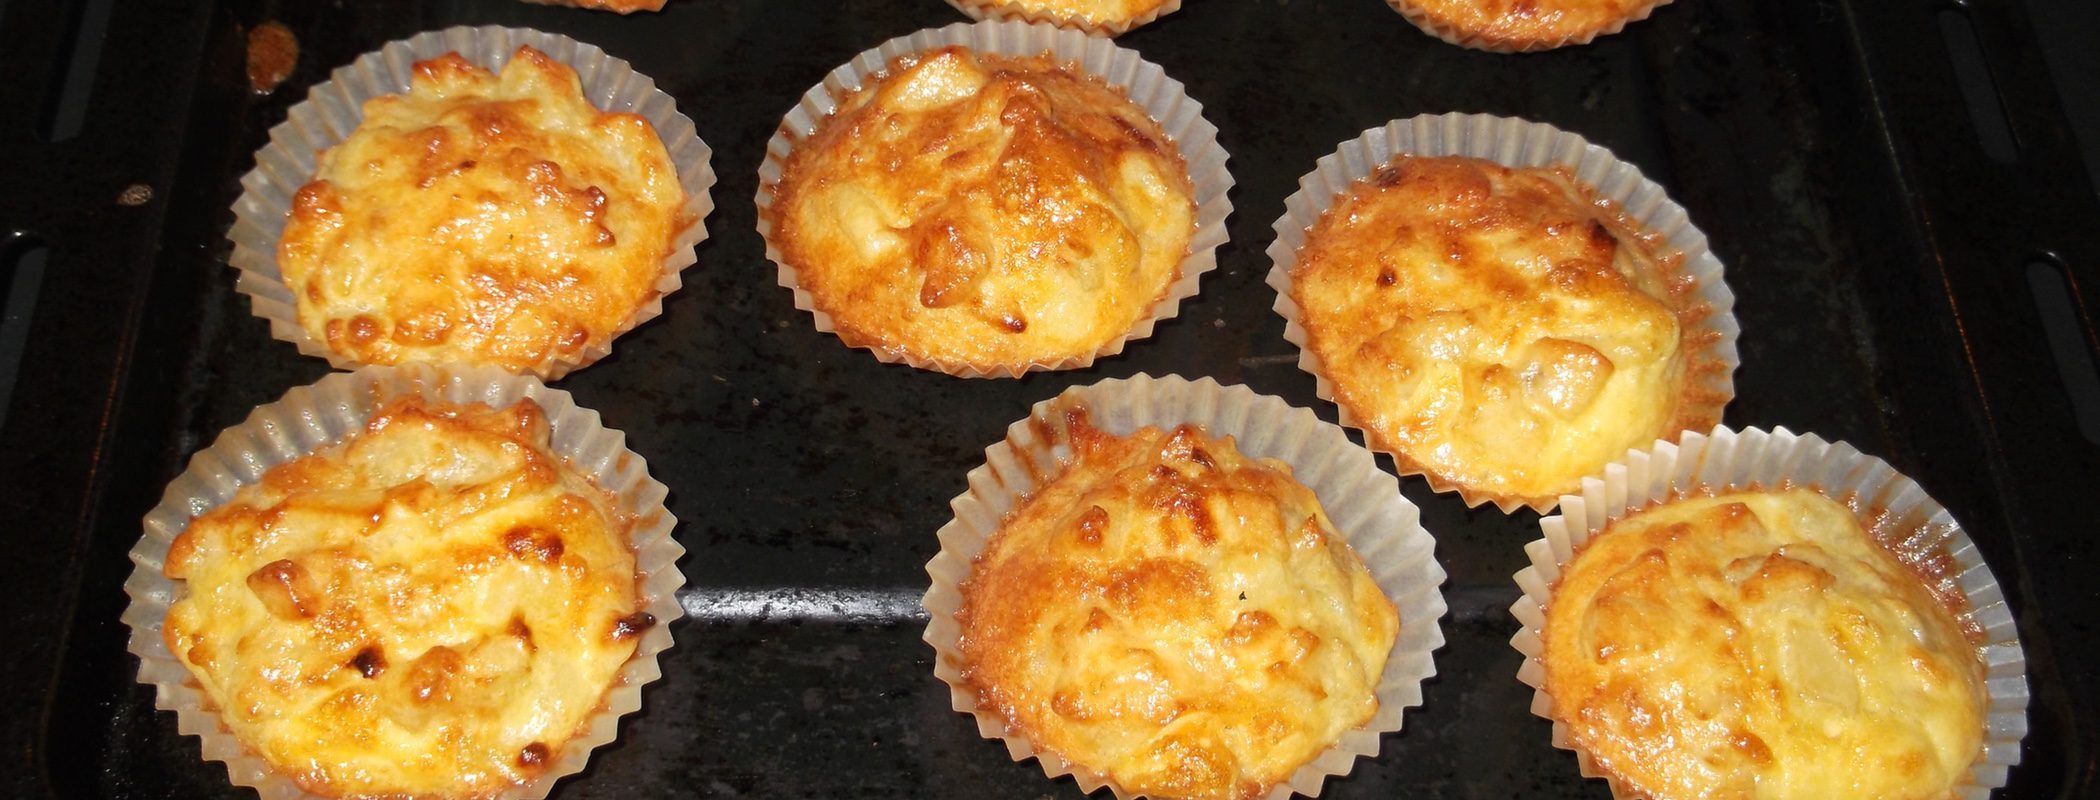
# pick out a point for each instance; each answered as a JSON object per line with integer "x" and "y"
{"x": 1147, "y": 85}
{"x": 1726, "y": 460}
{"x": 1363, "y": 501}
{"x": 1515, "y": 143}
{"x": 312, "y": 417}
{"x": 1429, "y": 24}
{"x": 333, "y": 109}
{"x": 1003, "y": 10}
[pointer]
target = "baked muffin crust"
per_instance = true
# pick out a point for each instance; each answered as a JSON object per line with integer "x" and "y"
{"x": 1503, "y": 331}
{"x": 482, "y": 219}
{"x": 983, "y": 211}
{"x": 1176, "y": 617}
{"x": 1531, "y": 24}
{"x": 434, "y": 607}
{"x": 1761, "y": 644}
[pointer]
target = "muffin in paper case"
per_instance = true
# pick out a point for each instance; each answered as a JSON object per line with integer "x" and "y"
{"x": 1725, "y": 459}
{"x": 332, "y": 110}
{"x": 1363, "y": 501}
{"x": 1427, "y": 18}
{"x": 1145, "y": 83}
{"x": 1014, "y": 10}
{"x": 316, "y": 416}
{"x": 1514, "y": 143}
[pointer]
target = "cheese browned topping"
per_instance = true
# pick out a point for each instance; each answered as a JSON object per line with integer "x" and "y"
{"x": 986, "y": 211}
{"x": 433, "y": 608}
{"x": 1761, "y": 645}
{"x": 1176, "y": 616}
{"x": 1528, "y": 24}
{"x": 482, "y": 219}
{"x": 1503, "y": 330}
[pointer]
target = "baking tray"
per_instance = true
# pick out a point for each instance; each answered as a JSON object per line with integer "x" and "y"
{"x": 1891, "y": 184}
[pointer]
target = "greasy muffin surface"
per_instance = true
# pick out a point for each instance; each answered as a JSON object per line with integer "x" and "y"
{"x": 482, "y": 219}
{"x": 1500, "y": 329}
{"x": 433, "y": 608}
{"x": 1532, "y": 24}
{"x": 1175, "y": 616}
{"x": 1761, "y": 645}
{"x": 987, "y": 211}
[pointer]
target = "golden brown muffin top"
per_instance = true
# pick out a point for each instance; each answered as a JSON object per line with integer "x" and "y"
{"x": 482, "y": 219}
{"x": 434, "y": 607}
{"x": 1175, "y": 616}
{"x": 985, "y": 211}
{"x": 1502, "y": 330}
{"x": 1762, "y": 644}
{"x": 1532, "y": 24}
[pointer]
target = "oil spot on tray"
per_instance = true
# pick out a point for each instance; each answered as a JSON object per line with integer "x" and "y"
{"x": 273, "y": 52}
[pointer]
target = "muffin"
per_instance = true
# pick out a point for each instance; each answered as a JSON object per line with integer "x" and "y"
{"x": 1179, "y": 617}
{"x": 412, "y": 581}
{"x": 1522, "y": 26}
{"x": 1182, "y": 589}
{"x": 1770, "y": 615}
{"x": 979, "y": 213}
{"x": 1761, "y": 643}
{"x": 432, "y": 608}
{"x": 481, "y": 219}
{"x": 1105, "y": 17}
{"x": 484, "y": 219}
{"x": 1504, "y": 331}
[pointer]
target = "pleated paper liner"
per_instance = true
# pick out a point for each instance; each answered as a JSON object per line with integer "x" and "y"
{"x": 1363, "y": 501}
{"x": 333, "y": 109}
{"x": 1431, "y": 24}
{"x": 1725, "y": 460}
{"x": 1147, "y": 85}
{"x": 1004, "y": 10}
{"x": 1514, "y": 143}
{"x": 310, "y": 418}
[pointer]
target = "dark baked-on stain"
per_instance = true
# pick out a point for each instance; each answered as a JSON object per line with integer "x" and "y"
{"x": 369, "y": 662}
{"x": 534, "y": 755}
{"x": 632, "y": 625}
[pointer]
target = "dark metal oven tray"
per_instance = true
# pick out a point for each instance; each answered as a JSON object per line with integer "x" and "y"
{"x": 1893, "y": 187}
